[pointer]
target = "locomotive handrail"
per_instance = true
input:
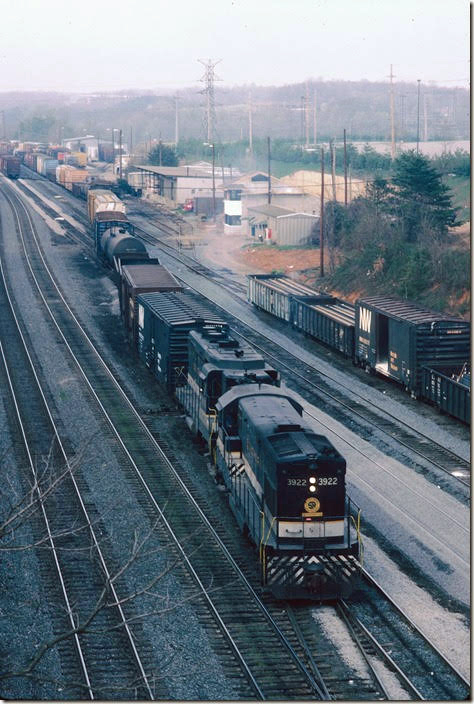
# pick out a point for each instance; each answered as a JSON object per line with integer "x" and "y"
{"x": 263, "y": 541}
{"x": 359, "y": 536}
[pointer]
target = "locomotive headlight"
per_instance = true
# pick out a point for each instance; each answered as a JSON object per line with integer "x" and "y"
{"x": 312, "y": 487}
{"x": 312, "y": 480}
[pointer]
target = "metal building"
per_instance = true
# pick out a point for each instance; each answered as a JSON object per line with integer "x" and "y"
{"x": 281, "y": 225}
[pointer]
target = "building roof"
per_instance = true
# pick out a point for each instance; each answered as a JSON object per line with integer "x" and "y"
{"x": 250, "y": 186}
{"x": 181, "y": 171}
{"x": 272, "y": 210}
{"x": 84, "y": 138}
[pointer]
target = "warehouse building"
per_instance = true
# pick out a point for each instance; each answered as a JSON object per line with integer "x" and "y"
{"x": 251, "y": 190}
{"x": 179, "y": 184}
{"x": 282, "y": 226}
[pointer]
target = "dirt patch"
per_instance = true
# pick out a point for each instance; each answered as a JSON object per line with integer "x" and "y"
{"x": 267, "y": 259}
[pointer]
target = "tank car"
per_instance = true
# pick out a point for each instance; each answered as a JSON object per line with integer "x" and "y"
{"x": 286, "y": 487}
{"x": 118, "y": 246}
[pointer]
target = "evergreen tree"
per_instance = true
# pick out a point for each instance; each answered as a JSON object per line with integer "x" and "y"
{"x": 162, "y": 155}
{"x": 419, "y": 198}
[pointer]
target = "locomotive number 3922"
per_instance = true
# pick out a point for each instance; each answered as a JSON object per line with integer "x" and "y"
{"x": 321, "y": 481}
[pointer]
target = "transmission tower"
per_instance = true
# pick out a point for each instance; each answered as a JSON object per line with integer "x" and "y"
{"x": 208, "y": 80}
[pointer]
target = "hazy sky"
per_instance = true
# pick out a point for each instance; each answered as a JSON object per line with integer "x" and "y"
{"x": 86, "y": 45}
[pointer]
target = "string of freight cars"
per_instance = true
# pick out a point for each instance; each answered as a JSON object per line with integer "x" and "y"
{"x": 292, "y": 505}
{"x": 428, "y": 353}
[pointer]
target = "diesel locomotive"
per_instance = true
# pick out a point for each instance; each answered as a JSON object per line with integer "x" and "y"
{"x": 286, "y": 483}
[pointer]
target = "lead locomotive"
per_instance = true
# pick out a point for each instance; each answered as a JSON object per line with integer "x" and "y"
{"x": 286, "y": 483}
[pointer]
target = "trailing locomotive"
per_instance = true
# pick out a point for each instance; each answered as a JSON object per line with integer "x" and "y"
{"x": 286, "y": 483}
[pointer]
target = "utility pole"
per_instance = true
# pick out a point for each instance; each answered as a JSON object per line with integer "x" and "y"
{"x": 303, "y": 112}
{"x": 345, "y": 169}
{"x": 208, "y": 79}
{"x": 120, "y": 155}
{"x": 425, "y": 119}
{"x": 269, "y": 197}
{"x": 418, "y": 120}
{"x": 176, "y": 125}
{"x": 113, "y": 151}
{"x": 332, "y": 147}
{"x": 321, "y": 219}
{"x": 314, "y": 117}
{"x": 306, "y": 115}
{"x": 213, "y": 183}
{"x": 250, "y": 126}
{"x": 130, "y": 151}
{"x": 392, "y": 114}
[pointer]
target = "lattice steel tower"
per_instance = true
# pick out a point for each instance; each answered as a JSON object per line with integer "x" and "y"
{"x": 210, "y": 115}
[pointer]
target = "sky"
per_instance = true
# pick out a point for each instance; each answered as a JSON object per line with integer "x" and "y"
{"x": 109, "y": 45}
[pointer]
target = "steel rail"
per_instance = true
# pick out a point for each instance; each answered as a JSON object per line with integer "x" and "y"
{"x": 350, "y": 619}
{"x": 185, "y": 489}
{"x": 69, "y": 609}
{"x": 109, "y": 580}
{"x": 374, "y": 583}
{"x": 201, "y": 269}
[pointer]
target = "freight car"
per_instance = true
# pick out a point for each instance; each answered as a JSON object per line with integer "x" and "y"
{"x": 398, "y": 338}
{"x": 449, "y": 389}
{"x": 10, "y": 165}
{"x": 164, "y": 321}
{"x": 286, "y": 484}
{"x": 393, "y": 338}
{"x": 147, "y": 276}
{"x": 100, "y": 199}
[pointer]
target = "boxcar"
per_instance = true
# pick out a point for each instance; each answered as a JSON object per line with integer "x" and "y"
{"x": 10, "y": 165}
{"x": 164, "y": 322}
{"x": 444, "y": 387}
{"x": 272, "y": 293}
{"x": 99, "y": 200}
{"x": 397, "y": 338}
{"x": 141, "y": 278}
{"x": 325, "y": 319}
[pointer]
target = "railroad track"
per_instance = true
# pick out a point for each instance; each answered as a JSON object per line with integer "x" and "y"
{"x": 401, "y": 662}
{"x": 388, "y": 633}
{"x": 319, "y": 388}
{"x": 267, "y": 664}
{"x": 345, "y": 405}
{"x": 90, "y": 634}
{"x": 251, "y": 653}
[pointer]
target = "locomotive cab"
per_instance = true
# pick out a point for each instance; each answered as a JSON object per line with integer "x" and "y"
{"x": 287, "y": 490}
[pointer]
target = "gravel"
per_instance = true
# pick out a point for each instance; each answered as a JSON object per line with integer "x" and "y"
{"x": 182, "y": 652}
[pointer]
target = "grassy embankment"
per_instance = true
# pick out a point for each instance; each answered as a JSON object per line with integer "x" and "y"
{"x": 439, "y": 279}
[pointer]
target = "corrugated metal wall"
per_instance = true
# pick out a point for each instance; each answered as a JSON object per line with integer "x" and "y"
{"x": 292, "y": 230}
